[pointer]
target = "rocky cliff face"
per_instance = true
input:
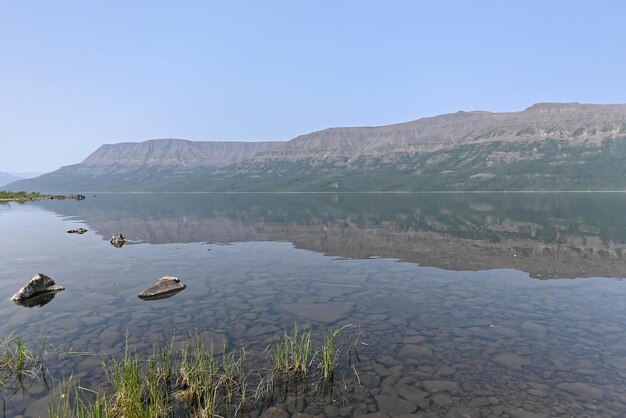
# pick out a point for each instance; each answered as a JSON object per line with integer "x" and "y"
{"x": 573, "y": 122}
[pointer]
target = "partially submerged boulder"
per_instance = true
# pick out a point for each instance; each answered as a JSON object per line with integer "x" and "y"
{"x": 38, "y": 285}
{"x": 117, "y": 240}
{"x": 77, "y": 231}
{"x": 165, "y": 287}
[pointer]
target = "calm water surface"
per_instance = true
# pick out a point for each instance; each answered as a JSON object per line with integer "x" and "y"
{"x": 471, "y": 305}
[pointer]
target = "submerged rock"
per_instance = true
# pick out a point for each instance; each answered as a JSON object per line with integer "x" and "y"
{"x": 511, "y": 360}
{"x": 164, "y": 288}
{"x": 275, "y": 412}
{"x": 117, "y": 240}
{"x": 394, "y": 406}
{"x": 583, "y": 390}
{"x": 323, "y": 312}
{"x": 77, "y": 231}
{"x": 38, "y": 285}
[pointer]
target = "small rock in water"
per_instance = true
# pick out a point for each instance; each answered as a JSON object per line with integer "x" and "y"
{"x": 117, "y": 240}
{"x": 38, "y": 285}
{"x": 77, "y": 231}
{"x": 165, "y": 287}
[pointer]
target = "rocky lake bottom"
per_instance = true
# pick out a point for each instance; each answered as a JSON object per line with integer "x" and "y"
{"x": 433, "y": 342}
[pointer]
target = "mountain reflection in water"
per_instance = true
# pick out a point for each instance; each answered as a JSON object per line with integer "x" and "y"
{"x": 548, "y": 235}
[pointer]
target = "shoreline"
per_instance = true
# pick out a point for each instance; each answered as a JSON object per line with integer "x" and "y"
{"x": 23, "y": 197}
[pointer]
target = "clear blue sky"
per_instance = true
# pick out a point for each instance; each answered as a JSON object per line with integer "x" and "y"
{"x": 77, "y": 74}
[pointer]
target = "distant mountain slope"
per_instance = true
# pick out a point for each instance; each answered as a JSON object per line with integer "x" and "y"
{"x": 173, "y": 153}
{"x": 6, "y": 178}
{"x": 548, "y": 146}
{"x": 115, "y": 165}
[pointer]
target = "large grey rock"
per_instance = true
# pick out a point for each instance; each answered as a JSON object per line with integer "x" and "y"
{"x": 165, "y": 287}
{"x": 38, "y": 285}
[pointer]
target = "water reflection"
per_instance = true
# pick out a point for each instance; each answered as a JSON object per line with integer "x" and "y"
{"x": 551, "y": 235}
{"x": 439, "y": 342}
{"x": 161, "y": 296}
{"x": 36, "y": 301}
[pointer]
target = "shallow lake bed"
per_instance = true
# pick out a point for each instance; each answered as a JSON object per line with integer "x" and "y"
{"x": 490, "y": 339}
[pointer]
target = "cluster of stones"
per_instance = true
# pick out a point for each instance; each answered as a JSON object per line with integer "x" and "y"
{"x": 35, "y": 291}
{"x": 41, "y": 285}
{"x": 72, "y": 196}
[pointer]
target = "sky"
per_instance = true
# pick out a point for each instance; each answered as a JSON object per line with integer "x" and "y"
{"x": 78, "y": 74}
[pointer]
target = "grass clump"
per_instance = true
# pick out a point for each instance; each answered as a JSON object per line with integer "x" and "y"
{"x": 18, "y": 363}
{"x": 196, "y": 371}
{"x": 233, "y": 378}
{"x": 195, "y": 381}
{"x": 74, "y": 401}
{"x": 290, "y": 356}
{"x": 328, "y": 354}
{"x": 130, "y": 389}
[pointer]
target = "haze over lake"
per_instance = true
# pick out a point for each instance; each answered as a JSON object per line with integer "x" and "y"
{"x": 475, "y": 304}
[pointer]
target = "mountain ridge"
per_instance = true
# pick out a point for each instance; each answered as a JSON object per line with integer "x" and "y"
{"x": 545, "y": 146}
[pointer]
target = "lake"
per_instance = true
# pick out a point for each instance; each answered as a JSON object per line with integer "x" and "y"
{"x": 459, "y": 305}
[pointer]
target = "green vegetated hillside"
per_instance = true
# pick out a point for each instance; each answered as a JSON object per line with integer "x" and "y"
{"x": 546, "y": 165}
